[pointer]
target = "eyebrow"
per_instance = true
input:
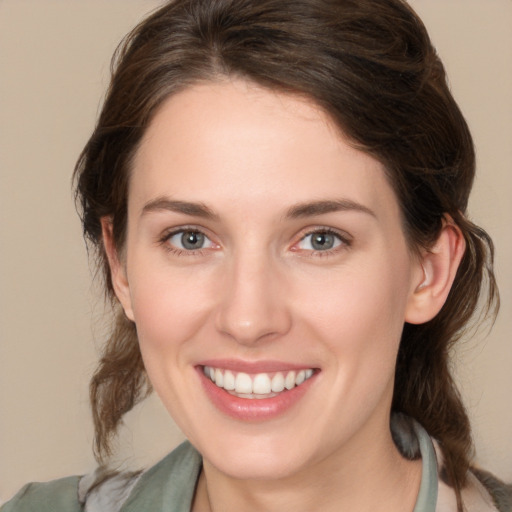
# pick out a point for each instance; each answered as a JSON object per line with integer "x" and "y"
{"x": 311, "y": 209}
{"x": 298, "y": 211}
{"x": 185, "y": 207}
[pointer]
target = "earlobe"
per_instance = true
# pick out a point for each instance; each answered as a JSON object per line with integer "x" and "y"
{"x": 438, "y": 266}
{"x": 117, "y": 269}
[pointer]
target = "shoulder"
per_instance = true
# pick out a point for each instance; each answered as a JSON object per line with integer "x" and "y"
{"x": 500, "y": 492}
{"x": 56, "y": 496}
{"x": 483, "y": 492}
{"x": 168, "y": 486}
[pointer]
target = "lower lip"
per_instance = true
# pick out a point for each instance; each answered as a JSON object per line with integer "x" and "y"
{"x": 256, "y": 409}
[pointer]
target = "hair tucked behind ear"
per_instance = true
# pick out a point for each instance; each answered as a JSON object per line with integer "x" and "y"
{"x": 371, "y": 66}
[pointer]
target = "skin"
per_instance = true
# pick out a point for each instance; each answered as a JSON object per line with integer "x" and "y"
{"x": 258, "y": 290}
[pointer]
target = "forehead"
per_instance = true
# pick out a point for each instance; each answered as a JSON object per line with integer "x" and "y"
{"x": 235, "y": 141}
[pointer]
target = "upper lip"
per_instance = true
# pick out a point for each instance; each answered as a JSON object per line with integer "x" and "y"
{"x": 263, "y": 366}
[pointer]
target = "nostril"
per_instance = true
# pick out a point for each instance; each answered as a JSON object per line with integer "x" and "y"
{"x": 248, "y": 327}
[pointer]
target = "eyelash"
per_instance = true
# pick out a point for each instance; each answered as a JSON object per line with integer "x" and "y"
{"x": 164, "y": 241}
{"x": 343, "y": 238}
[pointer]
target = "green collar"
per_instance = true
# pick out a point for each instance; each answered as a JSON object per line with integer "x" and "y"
{"x": 427, "y": 497}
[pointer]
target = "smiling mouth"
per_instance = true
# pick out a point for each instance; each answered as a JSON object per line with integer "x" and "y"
{"x": 257, "y": 386}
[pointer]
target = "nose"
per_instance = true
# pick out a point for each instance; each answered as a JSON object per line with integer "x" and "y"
{"x": 252, "y": 304}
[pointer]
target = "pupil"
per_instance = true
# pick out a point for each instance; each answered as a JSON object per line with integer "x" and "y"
{"x": 322, "y": 241}
{"x": 192, "y": 240}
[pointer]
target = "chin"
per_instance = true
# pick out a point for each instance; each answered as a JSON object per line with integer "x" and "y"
{"x": 256, "y": 466}
{"x": 259, "y": 458}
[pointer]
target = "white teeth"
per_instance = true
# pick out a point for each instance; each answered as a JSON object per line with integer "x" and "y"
{"x": 301, "y": 376}
{"x": 229, "y": 381}
{"x": 289, "y": 382}
{"x": 219, "y": 378}
{"x": 261, "y": 384}
{"x": 256, "y": 386}
{"x": 243, "y": 383}
{"x": 277, "y": 383}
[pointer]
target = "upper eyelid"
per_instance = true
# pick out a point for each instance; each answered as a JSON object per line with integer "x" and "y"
{"x": 165, "y": 237}
{"x": 346, "y": 241}
{"x": 167, "y": 233}
{"x": 343, "y": 235}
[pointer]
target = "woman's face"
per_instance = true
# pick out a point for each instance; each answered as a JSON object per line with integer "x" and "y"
{"x": 265, "y": 251}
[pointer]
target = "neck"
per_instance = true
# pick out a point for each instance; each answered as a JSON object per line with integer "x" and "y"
{"x": 371, "y": 475}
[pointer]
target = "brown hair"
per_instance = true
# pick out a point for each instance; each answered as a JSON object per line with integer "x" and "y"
{"x": 371, "y": 66}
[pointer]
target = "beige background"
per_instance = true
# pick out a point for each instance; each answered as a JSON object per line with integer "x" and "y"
{"x": 54, "y": 59}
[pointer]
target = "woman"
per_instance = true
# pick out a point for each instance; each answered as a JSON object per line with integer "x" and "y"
{"x": 276, "y": 191}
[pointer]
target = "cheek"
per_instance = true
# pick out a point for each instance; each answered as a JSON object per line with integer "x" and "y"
{"x": 362, "y": 299}
{"x": 360, "y": 323}
{"x": 170, "y": 311}
{"x": 359, "y": 314}
{"x": 169, "y": 307}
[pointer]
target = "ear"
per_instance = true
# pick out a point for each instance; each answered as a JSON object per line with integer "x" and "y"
{"x": 437, "y": 269}
{"x": 117, "y": 268}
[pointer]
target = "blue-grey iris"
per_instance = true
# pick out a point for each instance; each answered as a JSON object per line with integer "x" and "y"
{"x": 192, "y": 240}
{"x": 322, "y": 241}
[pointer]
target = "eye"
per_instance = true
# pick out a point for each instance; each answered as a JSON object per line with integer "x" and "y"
{"x": 189, "y": 240}
{"x": 322, "y": 240}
